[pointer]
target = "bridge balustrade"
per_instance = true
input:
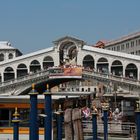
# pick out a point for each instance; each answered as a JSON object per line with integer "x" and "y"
{"x": 24, "y": 78}
{"x": 86, "y": 74}
{"x": 110, "y": 77}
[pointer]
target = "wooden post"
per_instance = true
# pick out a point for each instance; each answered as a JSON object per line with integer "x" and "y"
{"x": 68, "y": 124}
{"x": 77, "y": 124}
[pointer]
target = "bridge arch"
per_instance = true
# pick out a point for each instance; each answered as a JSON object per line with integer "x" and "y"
{"x": 117, "y": 68}
{"x": 22, "y": 70}
{"x": 35, "y": 66}
{"x": 68, "y": 52}
{"x": 103, "y": 65}
{"x": 48, "y": 62}
{"x": 131, "y": 71}
{"x": 88, "y": 62}
{"x": 9, "y": 73}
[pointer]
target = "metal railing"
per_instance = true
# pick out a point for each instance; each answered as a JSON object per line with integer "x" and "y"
{"x": 120, "y": 129}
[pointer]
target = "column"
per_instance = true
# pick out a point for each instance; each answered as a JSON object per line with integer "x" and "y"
{"x": 48, "y": 113}
{"x": 94, "y": 125}
{"x": 33, "y": 121}
{"x": 16, "y": 121}
{"x": 105, "y": 118}
{"x": 59, "y": 123}
{"x": 138, "y": 120}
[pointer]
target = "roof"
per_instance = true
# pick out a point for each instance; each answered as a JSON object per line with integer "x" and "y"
{"x": 26, "y": 98}
{"x": 100, "y": 44}
{"x": 124, "y": 38}
{"x": 6, "y": 45}
{"x": 68, "y": 38}
{"x": 110, "y": 52}
{"x": 28, "y": 55}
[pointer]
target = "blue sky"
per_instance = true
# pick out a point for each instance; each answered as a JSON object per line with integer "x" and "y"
{"x": 31, "y": 25}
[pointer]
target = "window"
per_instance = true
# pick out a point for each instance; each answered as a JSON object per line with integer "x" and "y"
{"x": 127, "y": 45}
{"x": 139, "y": 42}
{"x": 132, "y": 43}
{"x": 118, "y": 48}
{"x": 10, "y": 56}
{"x": 1, "y": 57}
{"x": 136, "y": 42}
{"x": 122, "y": 47}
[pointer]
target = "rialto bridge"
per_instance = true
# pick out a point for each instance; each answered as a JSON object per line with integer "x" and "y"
{"x": 109, "y": 67}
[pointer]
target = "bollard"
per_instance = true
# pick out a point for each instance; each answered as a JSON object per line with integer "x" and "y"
{"x": 48, "y": 113}
{"x": 59, "y": 123}
{"x": 16, "y": 121}
{"x": 33, "y": 121}
{"x": 94, "y": 125}
{"x": 105, "y": 111}
{"x": 138, "y": 120}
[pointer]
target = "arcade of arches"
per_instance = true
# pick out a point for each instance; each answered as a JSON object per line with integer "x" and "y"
{"x": 102, "y": 65}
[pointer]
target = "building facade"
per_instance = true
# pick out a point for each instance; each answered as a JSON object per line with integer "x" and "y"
{"x": 127, "y": 44}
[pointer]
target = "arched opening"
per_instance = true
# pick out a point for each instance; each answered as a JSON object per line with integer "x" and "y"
{"x": 22, "y": 70}
{"x": 10, "y": 56}
{"x": 9, "y": 74}
{"x": 68, "y": 53}
{"x": 88, "y": 62}
{"x": 35, "y": 66}
{"x": 102, "y": 65}
{"x": 1, "y": 57}
{"x": 48, "y": 62}
{"x": 117, "y": 68}
{"x": 131, "y": 71}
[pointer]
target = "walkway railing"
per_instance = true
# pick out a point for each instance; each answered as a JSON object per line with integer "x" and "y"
{"x": 122, "y": 129}
{"x": 85, "y": 74}
{"x": 109, "y": 77}
{"x": 24, "y": 78}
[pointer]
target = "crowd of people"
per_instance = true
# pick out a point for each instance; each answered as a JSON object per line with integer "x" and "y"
{"x": 115, "y": 115}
